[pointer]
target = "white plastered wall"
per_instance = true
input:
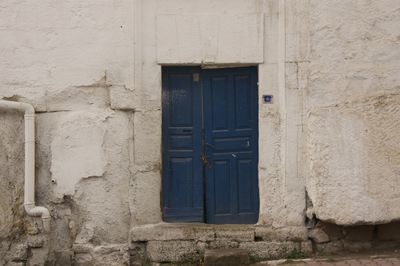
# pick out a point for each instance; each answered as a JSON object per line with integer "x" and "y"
{"x": 65, "y": 58}
{"x": 353, "y": 111}
{"x": 97, "y": 63}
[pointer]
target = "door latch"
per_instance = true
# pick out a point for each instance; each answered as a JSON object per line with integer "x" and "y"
{"x": 204, "y": 159}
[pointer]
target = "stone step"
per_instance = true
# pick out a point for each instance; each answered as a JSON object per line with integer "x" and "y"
{"x": 226, "y": 257}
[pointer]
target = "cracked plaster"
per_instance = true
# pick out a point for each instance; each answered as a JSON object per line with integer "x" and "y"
{"x": 332, "y": 66}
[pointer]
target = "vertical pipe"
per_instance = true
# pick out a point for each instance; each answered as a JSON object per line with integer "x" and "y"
{"x": 29, "y": 183}
{"x": 29, "y": 198}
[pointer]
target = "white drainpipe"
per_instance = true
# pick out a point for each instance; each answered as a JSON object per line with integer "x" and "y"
{"x": 29, "y": 195}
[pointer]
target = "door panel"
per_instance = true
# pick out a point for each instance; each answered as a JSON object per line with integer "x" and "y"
{"x": 183, "y": 193}
{"x": 231, "y": 145}
{"x": 243, "y": 104}
{"x": 223, "y": 198}
{"x": 220, "y": 102}
{"x": 246, "y": 185}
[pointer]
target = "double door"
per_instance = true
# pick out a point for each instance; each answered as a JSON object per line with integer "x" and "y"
{"x": 210, "y": 145}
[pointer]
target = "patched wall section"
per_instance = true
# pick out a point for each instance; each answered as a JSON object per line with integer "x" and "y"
{"x": 77, "y": 150}
{"x": 353, "y": 111}
{"x": 86, "y": 181}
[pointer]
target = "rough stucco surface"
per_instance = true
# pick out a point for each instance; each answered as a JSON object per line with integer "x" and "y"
{"x": 354, "y": 151}
{"x": 332, "y": 129}
{"x": 98, "y": 190}
{"x": 11, "y": 175}
{"x": 353, "y": 102}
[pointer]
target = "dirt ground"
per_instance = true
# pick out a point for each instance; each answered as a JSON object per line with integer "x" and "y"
{"x": 381, "y": 258}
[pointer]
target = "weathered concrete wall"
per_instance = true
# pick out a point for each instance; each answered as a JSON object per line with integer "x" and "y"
{"x": 74, "y": 62}
{"x": 353, "y": 105}
{"x": 92, "y": 71}
{"x": 89, "y": 200}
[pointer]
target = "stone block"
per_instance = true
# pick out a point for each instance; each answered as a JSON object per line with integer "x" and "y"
{"x": 333, "y": 231}
{"x": 64, "y": 257}
{"x": 201, "y": 245}
{"x": 223, "y": 257}
{"x": 356, "y": 246}
{"x": 165, "y": 231}
{"x": 145, "y": 192}
{"x": 362, "y": 233}
{"x": 137, "y": 254}
{"x": 222, "y": 244}
{"x": 306, "y": 247}
{"x": 81, "y": 248}
{"x": 36, "y": 241}
{"x": 103, "y": 255}
{"x": 111, "y": 255}
{"x": 13, "y": 263}
{"x": 386, "y": 245}
{"x": 281, "y": 234}
{"x": 210, "y": 38}
{"x": 38, "y": 256}
{"x": 19, "y": 253}
{"x": 83, "y": 259}
{"x": 234, "y": 233}
{"x": 334, "y": 247}
{"x": 269, "y": 250}
{"x": 200, "y": 232}
{"x": 122, "y": 98}
{"x": 147, "y": 131}
{"x": 348, "y": 144}
{"x": 318, "y": 235}
{"x": 389, "y": 232}
{"x": 78, "y": 98}
{"x": 173, "y": 251}
{"x": 32, "y": 228}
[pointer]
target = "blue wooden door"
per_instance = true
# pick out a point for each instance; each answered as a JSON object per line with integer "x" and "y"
{"x": 210, "y": 145}
{"x": 231, "y": 145}
{"x": 183, "y": 196}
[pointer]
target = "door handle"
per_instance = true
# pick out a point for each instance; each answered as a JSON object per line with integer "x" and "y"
{"x": 204, "y": 159}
